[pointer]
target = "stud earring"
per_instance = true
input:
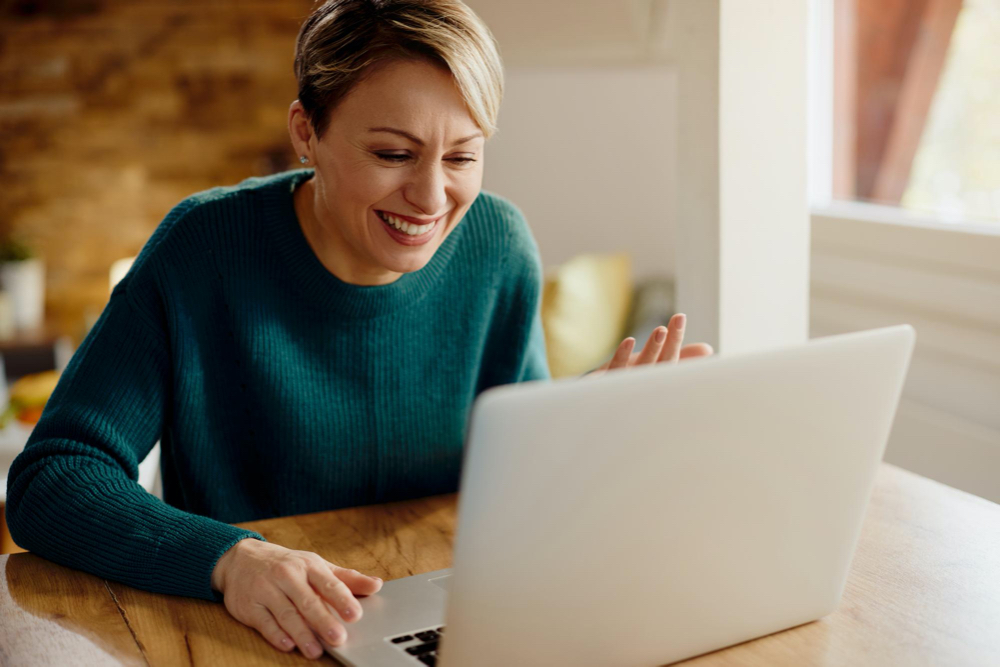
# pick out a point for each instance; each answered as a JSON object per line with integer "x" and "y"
{"x": 303, "y": 159}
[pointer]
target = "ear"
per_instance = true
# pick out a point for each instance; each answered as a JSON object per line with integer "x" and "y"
{"x": 300, "y": 130}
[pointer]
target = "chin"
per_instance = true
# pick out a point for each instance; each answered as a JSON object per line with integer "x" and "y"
{"x": 409, "y": 264}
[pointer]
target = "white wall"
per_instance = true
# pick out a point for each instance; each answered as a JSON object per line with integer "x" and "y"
{"x": 876, "y": 266}
{"x": 586, "y": 152}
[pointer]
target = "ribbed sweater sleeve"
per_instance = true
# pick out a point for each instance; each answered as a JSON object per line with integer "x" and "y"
{"x": 73, "y": 495}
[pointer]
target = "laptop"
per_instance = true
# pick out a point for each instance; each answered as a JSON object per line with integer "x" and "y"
{"x": 650, "y": 515}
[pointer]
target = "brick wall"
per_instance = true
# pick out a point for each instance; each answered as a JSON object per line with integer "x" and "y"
{"x": 112, "y": 111}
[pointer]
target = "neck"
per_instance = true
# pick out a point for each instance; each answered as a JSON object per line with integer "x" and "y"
{"x": 328, "y": 243}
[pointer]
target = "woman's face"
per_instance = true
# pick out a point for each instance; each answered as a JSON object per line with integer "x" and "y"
{"x": 400, "y": 144}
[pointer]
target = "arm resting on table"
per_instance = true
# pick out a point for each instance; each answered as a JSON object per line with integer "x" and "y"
{"x": 73, "y": 495}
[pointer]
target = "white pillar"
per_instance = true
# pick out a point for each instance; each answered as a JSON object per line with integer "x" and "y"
{"x": 742, "y": 223}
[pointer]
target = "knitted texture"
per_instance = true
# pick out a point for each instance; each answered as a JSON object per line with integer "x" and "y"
{"x": 274, "y": 387}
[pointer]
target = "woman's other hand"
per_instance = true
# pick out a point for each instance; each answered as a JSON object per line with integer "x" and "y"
{"x": 664, "y": 345}
{"x": 292, "y": 598}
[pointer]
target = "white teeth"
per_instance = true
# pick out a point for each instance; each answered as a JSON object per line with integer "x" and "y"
{"x": 406, "y": 227}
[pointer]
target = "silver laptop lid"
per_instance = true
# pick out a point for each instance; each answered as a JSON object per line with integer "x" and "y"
{"x": 648, "y": 516}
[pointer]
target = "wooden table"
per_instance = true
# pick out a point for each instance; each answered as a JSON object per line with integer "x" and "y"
{"x": 924, "y": 589}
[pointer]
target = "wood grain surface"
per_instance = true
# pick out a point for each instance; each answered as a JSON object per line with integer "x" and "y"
{"x": 924, "y": 589}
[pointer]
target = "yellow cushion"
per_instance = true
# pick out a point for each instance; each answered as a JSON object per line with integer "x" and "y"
{"x": 585, "y": 306}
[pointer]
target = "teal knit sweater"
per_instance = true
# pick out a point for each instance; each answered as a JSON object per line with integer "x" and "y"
{"x": 274, "y": 387}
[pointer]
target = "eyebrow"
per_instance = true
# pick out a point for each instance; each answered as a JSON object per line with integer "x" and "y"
{"x": 417, "y": 140}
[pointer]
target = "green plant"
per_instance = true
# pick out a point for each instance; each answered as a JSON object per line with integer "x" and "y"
{"x": 12, "y": 250}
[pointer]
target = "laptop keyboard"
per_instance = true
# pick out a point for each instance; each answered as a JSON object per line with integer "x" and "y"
{"x": 421, "y": 646}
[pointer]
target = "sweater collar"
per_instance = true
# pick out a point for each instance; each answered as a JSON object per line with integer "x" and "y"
{"x": 347, "y": 300}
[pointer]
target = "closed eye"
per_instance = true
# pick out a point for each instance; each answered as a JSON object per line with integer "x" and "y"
{"x": 403, "y": 157}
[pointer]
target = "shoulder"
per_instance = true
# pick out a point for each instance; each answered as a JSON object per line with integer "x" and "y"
{"x": 219, "y": 203}
{"x": 200, "y": 219}
{"x": 500, "y": 216}
{"x": 504, "y": 230}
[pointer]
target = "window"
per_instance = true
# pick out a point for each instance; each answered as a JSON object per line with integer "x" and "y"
{"x": 916, "y": 103}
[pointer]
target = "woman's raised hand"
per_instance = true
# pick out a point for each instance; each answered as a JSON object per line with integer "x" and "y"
{"x": 664, "y": 345}
{"x": 292, "y": 598}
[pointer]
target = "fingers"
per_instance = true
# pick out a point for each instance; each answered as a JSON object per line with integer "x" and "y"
{"x": 664, "y": 344}
{"x": 651, "y": 350}
{"x": 287, "y": 614}
{"x": 675, "y": 336}
{"x": 696, "y": 350}
{"x": 309, "y": 613}
{"x": 360, "y": 584}
{"x": 336, "y": 592}
{"x": 264, "y": 622}
{"x": 622, "y": 354}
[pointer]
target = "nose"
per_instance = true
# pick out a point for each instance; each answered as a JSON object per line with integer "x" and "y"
{"x": 426, "y": 190}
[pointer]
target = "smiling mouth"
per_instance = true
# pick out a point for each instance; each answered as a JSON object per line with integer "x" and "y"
{"x": 404, "y": 226}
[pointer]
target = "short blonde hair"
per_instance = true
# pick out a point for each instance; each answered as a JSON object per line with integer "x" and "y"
{"x": 343, "y": 41}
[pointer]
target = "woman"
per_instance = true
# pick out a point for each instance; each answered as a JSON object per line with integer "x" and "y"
{"x": 304, "y": 341}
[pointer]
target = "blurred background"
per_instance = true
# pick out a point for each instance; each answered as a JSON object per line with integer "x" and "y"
{"x": 112, "y": 111}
